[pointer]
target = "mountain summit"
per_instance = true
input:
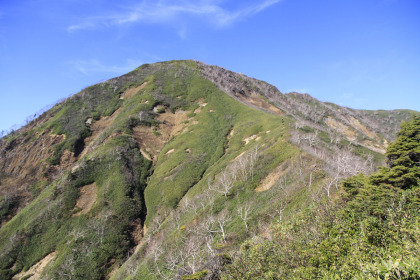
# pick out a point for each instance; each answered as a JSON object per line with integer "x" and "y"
{"x": 165, "y": 172}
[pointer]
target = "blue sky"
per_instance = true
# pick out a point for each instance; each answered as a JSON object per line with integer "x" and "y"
{"x": 362, "y": 54}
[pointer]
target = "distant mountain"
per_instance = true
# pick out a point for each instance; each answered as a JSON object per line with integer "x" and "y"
{"x": 165, "y": 172}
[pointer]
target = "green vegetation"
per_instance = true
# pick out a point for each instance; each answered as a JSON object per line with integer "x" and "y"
{"x": 37, "y": 230}
{"x": 370, "y": 231}
{"x": 222, "y": 176}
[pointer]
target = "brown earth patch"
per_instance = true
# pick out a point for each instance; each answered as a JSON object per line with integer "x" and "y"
{"x": 67, "y": 159}
{"x": 200, "y": 103}
{"x": 352, "y": 136}
{"x": 170, "y": 151}
{"x": 374, "y": 146}
{"x": 129, "y": 93}
{"x": 86, "y": 199}
{"x": 342, "y": 128}
{"x": 231, "y": 133}
{"x": 157, "y": 108}
{"x": 249, "y": 139}
{"x": 241, "y": 154}
{"x": 145, "y": 154}
{"x": 23, "y": 162}
{"x": 97, "y": 129}
{"x": 149, "y": 141}
{"x": 172, "y": 124}
{"x": 26, "y": 158}
{"x": 152, "y": 140}
{"x": 35, "y": 271}
{"x": 256, "y": 100}
{"x": 271, "y": 179}
{"x": 356, "y": 124}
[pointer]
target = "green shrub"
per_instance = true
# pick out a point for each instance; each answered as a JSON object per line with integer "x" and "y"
{"x": 196, "y": 276}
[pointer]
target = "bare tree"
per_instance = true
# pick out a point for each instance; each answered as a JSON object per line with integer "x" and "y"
{"x": 222, "y": 220}
{"x": 224, "y": 184}
{"x": 282, "y": 200}
{"x": 77, "y": 233}
{"x": 243, "y": 213}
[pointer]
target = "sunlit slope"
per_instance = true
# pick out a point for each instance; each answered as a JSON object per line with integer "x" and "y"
{"x": 163, "y": 171}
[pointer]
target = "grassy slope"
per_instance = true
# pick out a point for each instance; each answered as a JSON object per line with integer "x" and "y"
{"x": 180, "y": 176}
{"x": 100, "y": 240}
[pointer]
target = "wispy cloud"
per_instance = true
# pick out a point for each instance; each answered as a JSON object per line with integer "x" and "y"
{"x": 168, "y": 10}
{"x": 95, "y": 66}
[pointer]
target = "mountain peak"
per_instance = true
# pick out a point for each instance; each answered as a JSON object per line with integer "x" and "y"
{"x": 164, "y": 168}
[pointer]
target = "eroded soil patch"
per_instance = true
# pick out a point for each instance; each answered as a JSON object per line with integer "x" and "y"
{"x": 152, "y": 140}
{"x": 97, "y": 129}
{"x": 256, "y": 100}
{"x": 35, "y": 271}
{"x": 132, "y": 91}
{"x": 86, "y": 199}
{"x": 272, "y": 178}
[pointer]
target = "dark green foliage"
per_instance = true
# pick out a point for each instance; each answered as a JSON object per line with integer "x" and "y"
{"x": 7, "y": 206}
{"x": 403, "y": 158}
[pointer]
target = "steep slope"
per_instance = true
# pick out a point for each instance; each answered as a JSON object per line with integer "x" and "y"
{"x": 161, "y": 170}
{"x": 370, "y": 231}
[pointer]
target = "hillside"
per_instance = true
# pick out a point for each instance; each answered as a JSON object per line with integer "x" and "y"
{"x": 166, "y": 171}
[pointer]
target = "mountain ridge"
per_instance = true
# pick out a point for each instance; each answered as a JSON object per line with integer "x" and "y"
{"x": 147, "y": 150}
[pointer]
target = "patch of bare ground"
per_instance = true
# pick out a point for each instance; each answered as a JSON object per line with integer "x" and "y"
{"x": 352, "y": 136}
{"x": 132, "y": 91}
{"x": 149, "y": 141}
{"x": 35, "y": 271}
{"x": 158, "y": 108}
{"x": 86, "y": 199}
{"x": 271, "y": 179}
{"x": 200, "y": 103}
{"x": 250, "y": 138}
{"x": 97, "y": 129}
{"x": 374, "y": 147}
{"x": 23, "y": 162}
{"x": 152, "y": 140}
{"x": 356, "y": 124}
{"x": 145, "y": 154}
{"x": 25, "y": 157}
{"x": 231, "y": 133}
{"x": 241, "y": 154}
{"x": 342, "y": 128}
{"x": 256, "y": 100}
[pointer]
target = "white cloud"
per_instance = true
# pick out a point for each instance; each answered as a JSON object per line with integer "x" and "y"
{"x": 94, "y": 66}
{"x": 167, "y": 10}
